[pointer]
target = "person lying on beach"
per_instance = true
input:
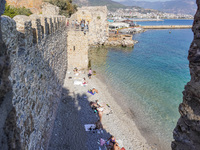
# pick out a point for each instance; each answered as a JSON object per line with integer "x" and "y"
{"x": 95, "y": 105}
{"x": 76, "y": 72}
{"x": 116, "y": 147}
{"x": 97, "y": 108}
{"x": 94, "y": 91}
{"x": 99, "y": 125}
{"x": 110, "y": 142}
{"x": 100, "y": 113}
{"x": 84, "y": 81}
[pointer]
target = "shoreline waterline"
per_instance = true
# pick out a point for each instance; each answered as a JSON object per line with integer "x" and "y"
{"x": 150, "y": 79}
{"x": 146, "y": 132}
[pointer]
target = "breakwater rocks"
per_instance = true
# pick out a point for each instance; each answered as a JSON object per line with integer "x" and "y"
{"x": 186, "y": 134}
{"x": 168, "y": 27}
{"x": 120, "y": 40}
{"x": 33, "y": 63}
{"x": 133, "y": 30}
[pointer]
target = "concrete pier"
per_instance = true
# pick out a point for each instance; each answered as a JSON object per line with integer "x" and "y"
{"x": 168, "y": 27}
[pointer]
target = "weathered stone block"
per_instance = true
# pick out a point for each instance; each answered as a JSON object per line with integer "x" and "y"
{"x": 49, "y": 9}
{"x": 37, "y": 30}
{"x": 24, "y": 26}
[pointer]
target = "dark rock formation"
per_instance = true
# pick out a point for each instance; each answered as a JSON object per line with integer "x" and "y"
{"x": 187, "y": 131}
{"x": 2, "y": 6}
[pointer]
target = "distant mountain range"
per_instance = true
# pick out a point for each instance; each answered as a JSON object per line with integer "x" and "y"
{"x": 111, "y": 5}
{"x": 173, "y": 6}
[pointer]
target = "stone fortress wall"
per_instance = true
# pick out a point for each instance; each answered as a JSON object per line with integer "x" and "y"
{"x": 98, "y": 25}
{"x": 77, "y": 54}
{"x": 33, "y": 65}
{"x": 79, "y": 41}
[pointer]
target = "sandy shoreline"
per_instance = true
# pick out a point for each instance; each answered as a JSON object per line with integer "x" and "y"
{"x": 118, "y": 123}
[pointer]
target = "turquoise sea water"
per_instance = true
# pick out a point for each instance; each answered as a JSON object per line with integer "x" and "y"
{"x": 151, "y": 77}
{"x": 167, "y": 22}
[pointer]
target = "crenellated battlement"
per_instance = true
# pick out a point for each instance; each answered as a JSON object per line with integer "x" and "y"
{"x": 38, "y": 26}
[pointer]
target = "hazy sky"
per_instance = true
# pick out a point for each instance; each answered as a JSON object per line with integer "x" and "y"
{"x": 142, "y": 0}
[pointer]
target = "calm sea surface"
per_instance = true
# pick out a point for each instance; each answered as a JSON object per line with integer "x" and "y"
{"x": 151, "y": 76}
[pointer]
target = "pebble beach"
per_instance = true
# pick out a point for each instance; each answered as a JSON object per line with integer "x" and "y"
{"x": 74, "y": 112}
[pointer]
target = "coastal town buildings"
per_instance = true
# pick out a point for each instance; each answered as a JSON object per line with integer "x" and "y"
{"x": 147, "y": 13}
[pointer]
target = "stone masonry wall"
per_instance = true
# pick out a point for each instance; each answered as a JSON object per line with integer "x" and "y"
{"x": 49, "y": 9}
{"x": 77, "y": 50}
{"x": 36, "y": 66}
{"x": 2, "y": 6}
{"x": 187, "y": 132}
{"x": 5, "y": 85}
{"x": 98, "y": 25}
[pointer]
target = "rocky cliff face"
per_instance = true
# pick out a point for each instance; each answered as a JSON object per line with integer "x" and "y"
{"x": 33, "y": 5}
{"x": 187, "y": 131}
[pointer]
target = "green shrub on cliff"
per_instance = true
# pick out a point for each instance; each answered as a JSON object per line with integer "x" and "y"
{"x": 12, "y": 11}
{"x": 66, "y": 6}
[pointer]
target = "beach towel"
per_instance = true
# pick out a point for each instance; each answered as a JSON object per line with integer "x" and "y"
{"x": 102, "y": 142}
{"x": 90, "y": 127}
{"x": 91, "y": 92}
{"x": 76, "y": 82}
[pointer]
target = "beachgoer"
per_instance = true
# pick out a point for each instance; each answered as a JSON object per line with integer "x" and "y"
{"x": 73, "y": 23}
{"x": 94, "y": 105}
{"x": 110, "y": 142}
{"x": 86, "y": 25}
{"x": 100, "y": 113}
{"x": 94, "y": 91}
{"x": 84, "y": 81}
{"x": 82, "y": 26}
{"x": 75, "y": 70}
{"x": 116, "y": 146}
{"x": 99, "y": 125}
{"x": 97, "y": 108}
{"x": 77, "y": 24}
{"x": 90, "y": 73}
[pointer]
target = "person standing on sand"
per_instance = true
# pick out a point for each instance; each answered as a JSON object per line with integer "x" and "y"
{"x": 90, "y": 73}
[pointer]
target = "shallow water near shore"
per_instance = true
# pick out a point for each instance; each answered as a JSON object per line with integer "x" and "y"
{"x": 151, "y": 77}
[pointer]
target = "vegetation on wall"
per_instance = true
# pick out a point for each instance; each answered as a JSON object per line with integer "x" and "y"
{"x": 12, "y": 11}
{"x": 66, "y": 6}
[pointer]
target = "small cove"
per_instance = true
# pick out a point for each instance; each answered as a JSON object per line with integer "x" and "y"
{"x": 151, "y": 78}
